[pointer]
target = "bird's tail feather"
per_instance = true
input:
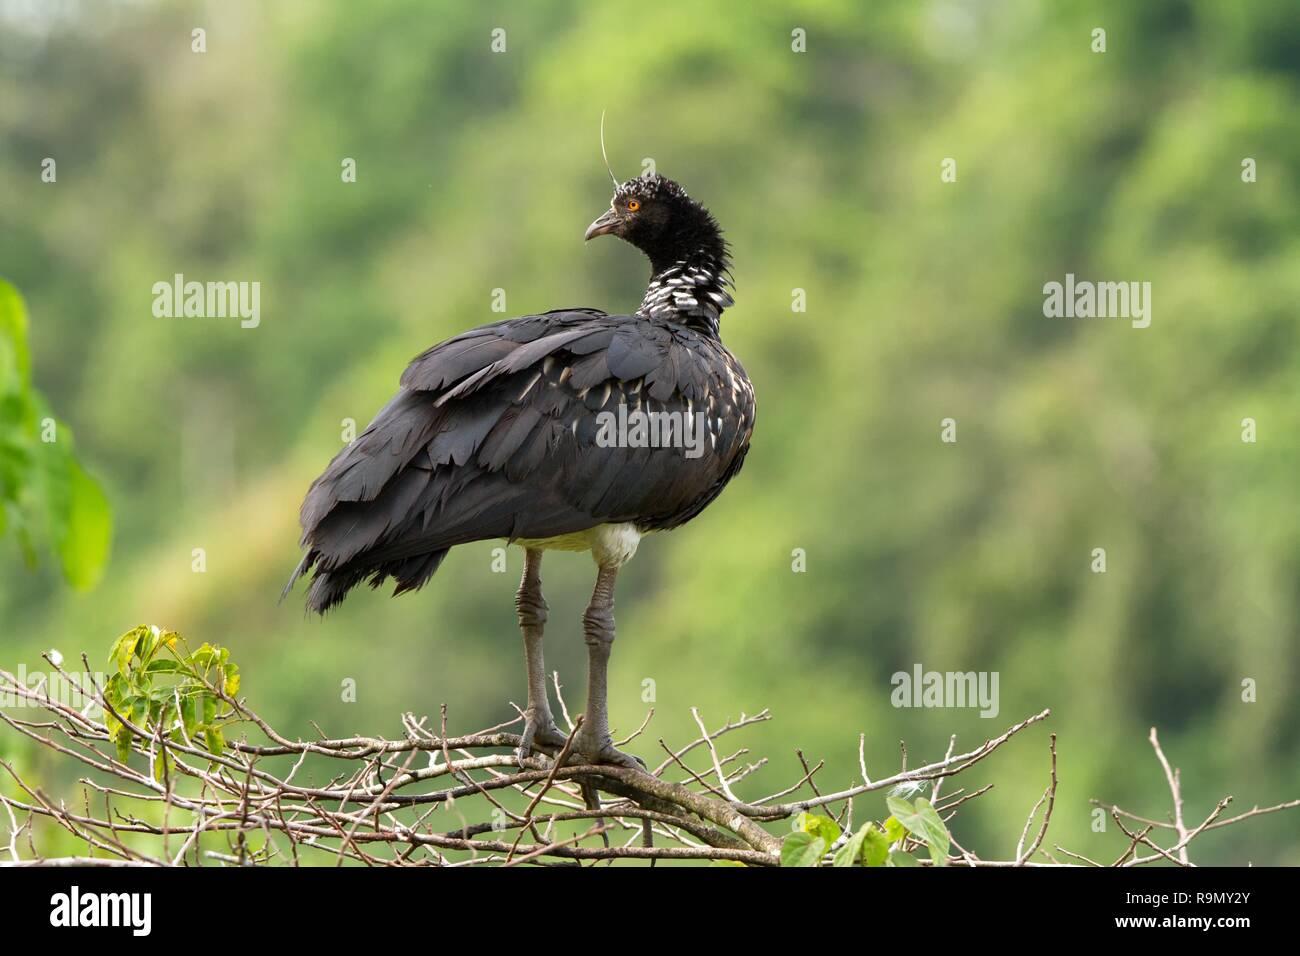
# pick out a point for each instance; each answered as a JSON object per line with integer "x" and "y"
{"x": 305, "y": 564}
{"x": 328, "y": 587}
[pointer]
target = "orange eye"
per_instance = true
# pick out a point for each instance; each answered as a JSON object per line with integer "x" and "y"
{"x": 633, "y": 205}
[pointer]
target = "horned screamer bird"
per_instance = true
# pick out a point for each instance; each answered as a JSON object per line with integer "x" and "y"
{"x": 514, "y": 430}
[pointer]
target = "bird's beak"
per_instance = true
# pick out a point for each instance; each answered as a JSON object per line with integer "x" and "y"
{"x": 604, "y": 225}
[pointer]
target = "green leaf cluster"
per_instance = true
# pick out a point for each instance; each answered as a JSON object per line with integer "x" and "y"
{"x": 169, "y": 692}
{"x": 874, "y": 844}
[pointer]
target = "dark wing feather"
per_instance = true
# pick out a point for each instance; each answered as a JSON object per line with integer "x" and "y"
{"x": 494, "y": 435}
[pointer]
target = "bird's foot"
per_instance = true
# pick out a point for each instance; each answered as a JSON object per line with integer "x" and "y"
{"x": 598, "y": 751}
{"x": 540, "y": 731}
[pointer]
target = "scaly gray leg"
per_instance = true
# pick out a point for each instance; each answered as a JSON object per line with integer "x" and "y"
{"x": 592, "y": 740}
{"x": 539, "y": 725}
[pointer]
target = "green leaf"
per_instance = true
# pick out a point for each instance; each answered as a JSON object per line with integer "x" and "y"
{"x": 125, "y": 647}
{"x": 924, "y": 823}
{"x": 148, "y": 644}
{"x": 848, "y": 854}
{"x": 899, "y": 858}
{"x": 115, "y": 690}
{"x": 123, "y": 741}
{"x": 901, "y": 809}
{"x": 86, "y": 532}
{"x": 205, "y": 656}
{"x": 13, "y": 333}
{"x": 936, "y": 831}
{"x": 189, "y": 714}
{"x": 215, "y": 738}
{"x": 139, "y": 712}
{"x": 875, "y": 848}
{"x": 118, "y": 734}
{"x": 819, "y": 826}
{"x": 894, "y": 831}
{"x": 161, "y": 761}
{"x": 868, "y": 847}
{"x": 802, "y": 849}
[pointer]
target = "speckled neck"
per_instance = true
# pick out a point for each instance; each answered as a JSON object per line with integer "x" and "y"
{"x": 693, "y": 292}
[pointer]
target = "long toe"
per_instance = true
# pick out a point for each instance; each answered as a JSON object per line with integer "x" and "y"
{"x": 541, "y": 733}
{"x": 606, "y": 753}
{"x": 549, "y": 735}
{"x": 612, "y": 755}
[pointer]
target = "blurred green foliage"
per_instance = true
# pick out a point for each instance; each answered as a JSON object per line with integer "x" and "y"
{"x": 45, "y": 494}
{"x": 478, "y": 171}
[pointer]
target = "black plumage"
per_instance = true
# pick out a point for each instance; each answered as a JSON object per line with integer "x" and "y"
{"x": 497, "y": 433}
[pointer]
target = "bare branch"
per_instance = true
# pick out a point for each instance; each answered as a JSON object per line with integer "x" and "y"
{"x": 379, "y": 801}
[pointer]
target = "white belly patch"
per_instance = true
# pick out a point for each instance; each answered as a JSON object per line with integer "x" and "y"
{"x": 609, "y": 544}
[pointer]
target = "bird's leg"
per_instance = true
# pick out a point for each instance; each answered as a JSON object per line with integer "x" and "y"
{"x": 539, "y": 725}
{"x": 592, "y": 740}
